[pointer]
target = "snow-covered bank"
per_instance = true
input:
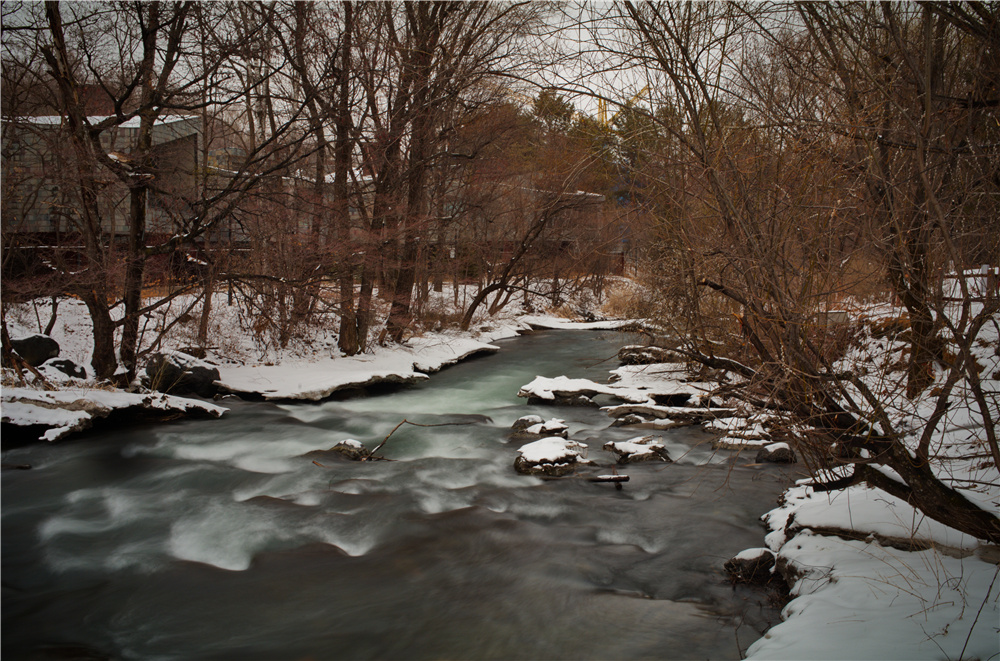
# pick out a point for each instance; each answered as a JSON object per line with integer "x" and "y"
{"x": 54, "y": 415}
{"x": 319, "y": 378}
{"x": 857, "y": 599}
{"x": 309, "y": 369}
{"x": 870, "y": 576}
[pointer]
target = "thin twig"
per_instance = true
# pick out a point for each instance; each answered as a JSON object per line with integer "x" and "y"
{"x": 978, "y": 613}
{"x": 378, "y": 447}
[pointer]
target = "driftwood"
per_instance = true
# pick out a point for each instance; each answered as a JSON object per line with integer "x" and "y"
{"x": 372, "y": 456}
{"x": 609, "y": 478}
{"x": 615, "y": 479}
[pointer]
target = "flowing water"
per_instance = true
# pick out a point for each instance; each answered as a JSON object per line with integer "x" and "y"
{"x": 227, "y": 539}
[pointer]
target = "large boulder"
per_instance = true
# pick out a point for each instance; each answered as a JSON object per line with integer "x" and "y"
{"x": 35, "y": 349}
{"x": 181, "y": 373}
{"x": 553, "y": 456}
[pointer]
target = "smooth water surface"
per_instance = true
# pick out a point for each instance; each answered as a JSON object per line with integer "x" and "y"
{"x": 236, "y": 539}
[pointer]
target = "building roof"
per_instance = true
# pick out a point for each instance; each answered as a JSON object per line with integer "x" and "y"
{"x": 133, "y": 123}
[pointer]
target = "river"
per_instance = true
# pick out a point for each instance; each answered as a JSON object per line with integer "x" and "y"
{"x": 225, "y": 539}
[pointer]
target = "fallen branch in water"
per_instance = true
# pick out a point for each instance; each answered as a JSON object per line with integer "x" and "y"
{"x": 371, "y": 455}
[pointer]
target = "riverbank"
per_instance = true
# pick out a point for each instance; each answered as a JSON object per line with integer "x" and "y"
{"x": 309, "y": 368}
{"x": 869, "y": 577}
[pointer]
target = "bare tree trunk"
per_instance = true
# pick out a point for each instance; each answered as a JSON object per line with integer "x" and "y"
{"x": 93, "y": 290}
{"x": 348, "y": 340}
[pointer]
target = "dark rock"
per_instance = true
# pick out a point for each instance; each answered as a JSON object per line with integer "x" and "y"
{"x": 640, "y": 355}
{"x": 35, "y": 349}
{"x": 628, "y": 419}
{"x": 346, "y": 449}
{"x": 524, "y": 422}
{"x": 351, "y": 449}
{"x": 776, "y": 453}
{"x": 674, "y": 399}
{"x": 789, "y": 571}
{"x": 564, "y": 400}
{"x": 179, "y": 373}
{"x": 67, "y": 367}
{"x": 751, "y": 566}
{"x": 534, "y": 426}
{"x": 643, "y": 448}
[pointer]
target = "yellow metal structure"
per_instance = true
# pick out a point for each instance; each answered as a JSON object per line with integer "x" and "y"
{"x": 602, "y": 107}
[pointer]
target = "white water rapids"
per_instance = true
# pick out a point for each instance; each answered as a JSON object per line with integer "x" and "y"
{"x": 227, "y": 539}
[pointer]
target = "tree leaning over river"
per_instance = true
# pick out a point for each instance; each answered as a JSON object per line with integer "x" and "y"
{"x": 796, "y": 156}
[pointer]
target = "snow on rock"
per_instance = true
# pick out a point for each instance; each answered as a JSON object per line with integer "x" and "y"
{"x": 62, "y": 370}
{"x": 645, "y": 355}
{"x": 641, "y": 448}
{"x": 434, "y": 352}
{"x": 553, "y": 427}
{"x": 56, "y": 414}
{"x": 751, "y": 566}
{"x": 776, "y": 453}
{"x": 681, "y": 415}
{"x": 553, "y": 456}
{"x": 738, "y": 432}
{"x": 175, "y": 371}
{"x": 562, "y": 389}
{"x": 664, "y": 383}
{"x": 738, "y": 443}
{"x": 534, "y": 425}
{"x": 526, "y": 421}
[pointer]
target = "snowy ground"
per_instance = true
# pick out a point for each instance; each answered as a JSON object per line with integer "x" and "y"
{"x": 857, "y": 598}
{"x": 885, "y": 582}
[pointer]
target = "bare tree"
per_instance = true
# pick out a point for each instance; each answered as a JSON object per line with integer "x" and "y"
{"x": 769, "y": 190}
{"x": 165, "y": 76}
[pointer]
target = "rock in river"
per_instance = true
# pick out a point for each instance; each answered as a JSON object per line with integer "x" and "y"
{"x": 534, "y": 426}
{"x": 776, "y": 453}
{"x": 552, "y": 456}
{"x": 751, "y": 566}
{"x": 642, "y": 448}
